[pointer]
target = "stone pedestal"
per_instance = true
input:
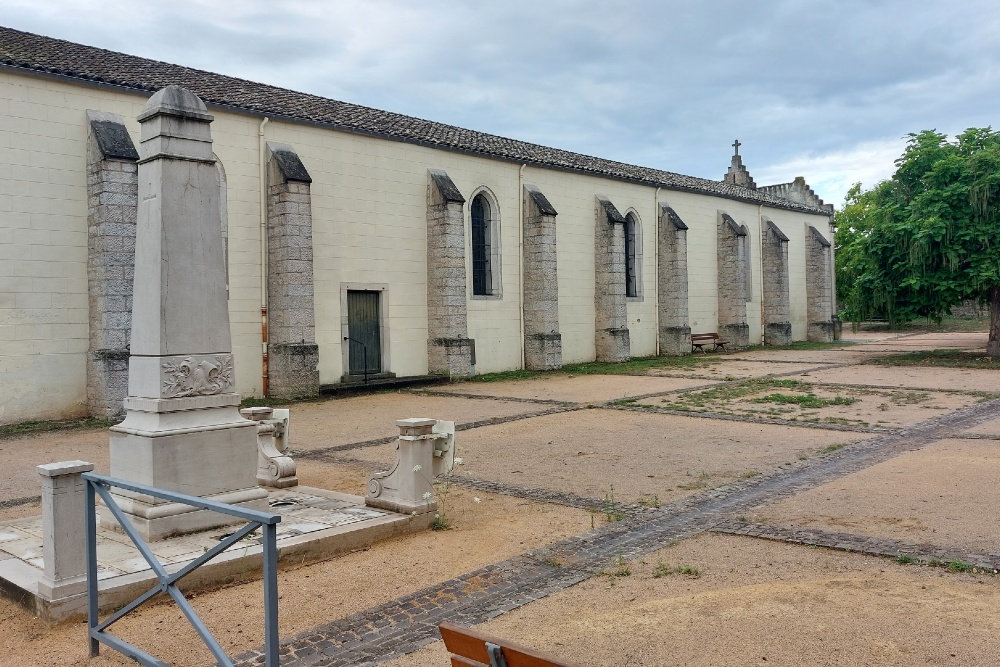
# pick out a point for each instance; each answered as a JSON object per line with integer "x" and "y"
{"x": 64, "y": 536}
{"x": 425, "y": 449}
{"x": 182, "y": 431}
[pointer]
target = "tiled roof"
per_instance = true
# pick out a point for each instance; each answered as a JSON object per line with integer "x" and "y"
{"x": 27, "y": 51}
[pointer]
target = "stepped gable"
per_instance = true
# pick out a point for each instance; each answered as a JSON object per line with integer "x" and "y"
{"x": 797, "y": 191}
{"x": 67, "y": 60}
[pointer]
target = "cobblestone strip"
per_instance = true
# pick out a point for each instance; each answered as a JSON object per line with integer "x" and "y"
{"x": 491, "y": 421}
{"x": 403, "y": 625}
{"x": 17, "y": 502}
{"x": 744, "y": 418}
{"x": 873, "y": 546}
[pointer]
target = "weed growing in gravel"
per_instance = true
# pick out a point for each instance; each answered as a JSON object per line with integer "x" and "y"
{"x": 663, "y": 570}
{"x": 700, "y": 483}
{"x": 611, "y": 512}
{"x": 832, "y": 448}
{"x": 619, "y": 569}
{"x": 806, "y": 400}
{"x": 905, "y": 559}
{"x": 960, "y": 566}
{"x": 649, "y": 501}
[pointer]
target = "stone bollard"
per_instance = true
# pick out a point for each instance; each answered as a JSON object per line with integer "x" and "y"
{"x": 274, "y": 467}
{"x": 64, "y": 529}
{"x": 425, "y": 449}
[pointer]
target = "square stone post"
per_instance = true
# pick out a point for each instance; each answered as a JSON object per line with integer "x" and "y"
{"x": 732, "y": 281}
{"x": 611, "y": 316}
{"x": 542, "y": 340}
{"x": 450, "y": 351}
{"x": 64, "y": 552}
{"x": 292, "y": 352}
{"x": 671, "y": 271}
{"x": 112, "y": 198}
{"x": 182, "y": 430}
{"x": 777, "y": 303}
{"x": 819, "y": 286}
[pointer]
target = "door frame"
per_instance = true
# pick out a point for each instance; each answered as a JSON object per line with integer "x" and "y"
{"x": 383, "y": 325}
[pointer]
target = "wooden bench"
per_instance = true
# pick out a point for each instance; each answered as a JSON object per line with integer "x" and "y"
{"x": 470, "y": 648}
{"x": 699, "y": 341}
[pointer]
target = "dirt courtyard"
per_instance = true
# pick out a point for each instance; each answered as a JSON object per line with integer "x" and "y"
{"x": 817, "y": 442}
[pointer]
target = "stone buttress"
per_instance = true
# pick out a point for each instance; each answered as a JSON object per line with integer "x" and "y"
{"x": 819, "y": 287}
{"x": 611, "y": 316}
{"x": 292, "y": 352}
{"x": 777, "y": 304}
{"x": 542, "y": 340}
{"x": 450, "y": 351}
{"x": 732, "y": 281}
{"x": 671, "y": 272}
{"x": 112, "y": 194}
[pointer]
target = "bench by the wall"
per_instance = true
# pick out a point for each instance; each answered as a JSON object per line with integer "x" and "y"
{"x": 699, "y": 341}
{"x": 470, "y": 648}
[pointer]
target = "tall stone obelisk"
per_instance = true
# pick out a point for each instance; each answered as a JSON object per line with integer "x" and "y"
{"x": 182, "y": 430}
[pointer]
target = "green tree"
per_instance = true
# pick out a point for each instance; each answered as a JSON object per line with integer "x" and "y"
{"x": 929, "y": 237}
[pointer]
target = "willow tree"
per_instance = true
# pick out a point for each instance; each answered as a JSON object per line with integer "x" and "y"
{"x": 929, "y": 237}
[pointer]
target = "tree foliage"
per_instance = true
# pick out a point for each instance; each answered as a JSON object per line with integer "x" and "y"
{"x": 929, "y": 237}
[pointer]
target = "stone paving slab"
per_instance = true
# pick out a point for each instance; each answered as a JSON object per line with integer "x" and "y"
{"x": 361, "y": 418}
{"x": 650, "y": 457}
{"x": 910, "y": 377}
{"x": 575, "y": 388}
{"x": 738, "y": 368}
{"x": 944, "y": 493}
{"x": 402, "y": 626}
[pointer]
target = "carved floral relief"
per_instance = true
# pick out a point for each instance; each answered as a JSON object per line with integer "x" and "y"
{"x": 190, "y": 376}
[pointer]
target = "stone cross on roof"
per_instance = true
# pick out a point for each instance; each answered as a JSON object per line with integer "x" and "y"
{"x": 736, "y": 144}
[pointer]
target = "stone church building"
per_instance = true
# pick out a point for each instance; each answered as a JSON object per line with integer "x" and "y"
{"x": 362, "y": 243}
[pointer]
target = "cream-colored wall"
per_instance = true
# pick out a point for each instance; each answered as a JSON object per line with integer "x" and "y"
{"x": 369, "y": 200}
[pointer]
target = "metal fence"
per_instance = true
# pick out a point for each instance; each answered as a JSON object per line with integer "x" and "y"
{"x": 100, "y": 485}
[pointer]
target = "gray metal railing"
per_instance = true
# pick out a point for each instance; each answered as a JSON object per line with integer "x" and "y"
{"x": 99, "y": 485}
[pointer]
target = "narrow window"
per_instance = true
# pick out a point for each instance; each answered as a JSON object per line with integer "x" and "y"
{"x": 631, "y": 265}
{"x": 482, "y": 260}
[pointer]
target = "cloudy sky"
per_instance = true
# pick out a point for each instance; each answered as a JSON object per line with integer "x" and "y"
{"x": 825, "y": 89}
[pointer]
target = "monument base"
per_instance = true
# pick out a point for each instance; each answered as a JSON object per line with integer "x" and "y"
{"x": 200, "y": 446}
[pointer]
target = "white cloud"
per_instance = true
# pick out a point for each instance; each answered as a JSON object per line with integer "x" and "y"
{"x": 832, "y": 174}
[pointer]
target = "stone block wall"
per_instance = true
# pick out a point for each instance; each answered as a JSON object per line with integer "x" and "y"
{"x": 450, "y": 351}
{"x": 732, "y": 282}
{"x": 611, "y": 316}
{"x": 819, "y": 287}
{"x": 672, "y": 274}
{"x": 112, "y": 203}
{"x": 542, "y": 340}
{"x": 292, "y": 352}
{"x": 777, "y": 305}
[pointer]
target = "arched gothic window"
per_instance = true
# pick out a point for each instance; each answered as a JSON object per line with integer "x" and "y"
{"x": 485, "y": 244}
{"x": 633, "y": 256}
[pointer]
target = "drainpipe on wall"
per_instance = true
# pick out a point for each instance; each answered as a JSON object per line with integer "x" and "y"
{"x": 760, "y": 254}
{"x": 656, "y": 271}
{"x": 263, "y": 251}
{"x": 520, "y": 256}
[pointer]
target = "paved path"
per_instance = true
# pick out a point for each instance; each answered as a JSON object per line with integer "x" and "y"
{"x": 403, "y": 625}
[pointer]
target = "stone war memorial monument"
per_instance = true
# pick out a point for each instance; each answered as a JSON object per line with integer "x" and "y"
{"x": 182, "y": 430}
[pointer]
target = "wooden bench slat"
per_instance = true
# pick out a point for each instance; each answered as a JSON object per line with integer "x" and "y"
{"x": 459, "y": 661}
{"x": 469, "y": 649}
